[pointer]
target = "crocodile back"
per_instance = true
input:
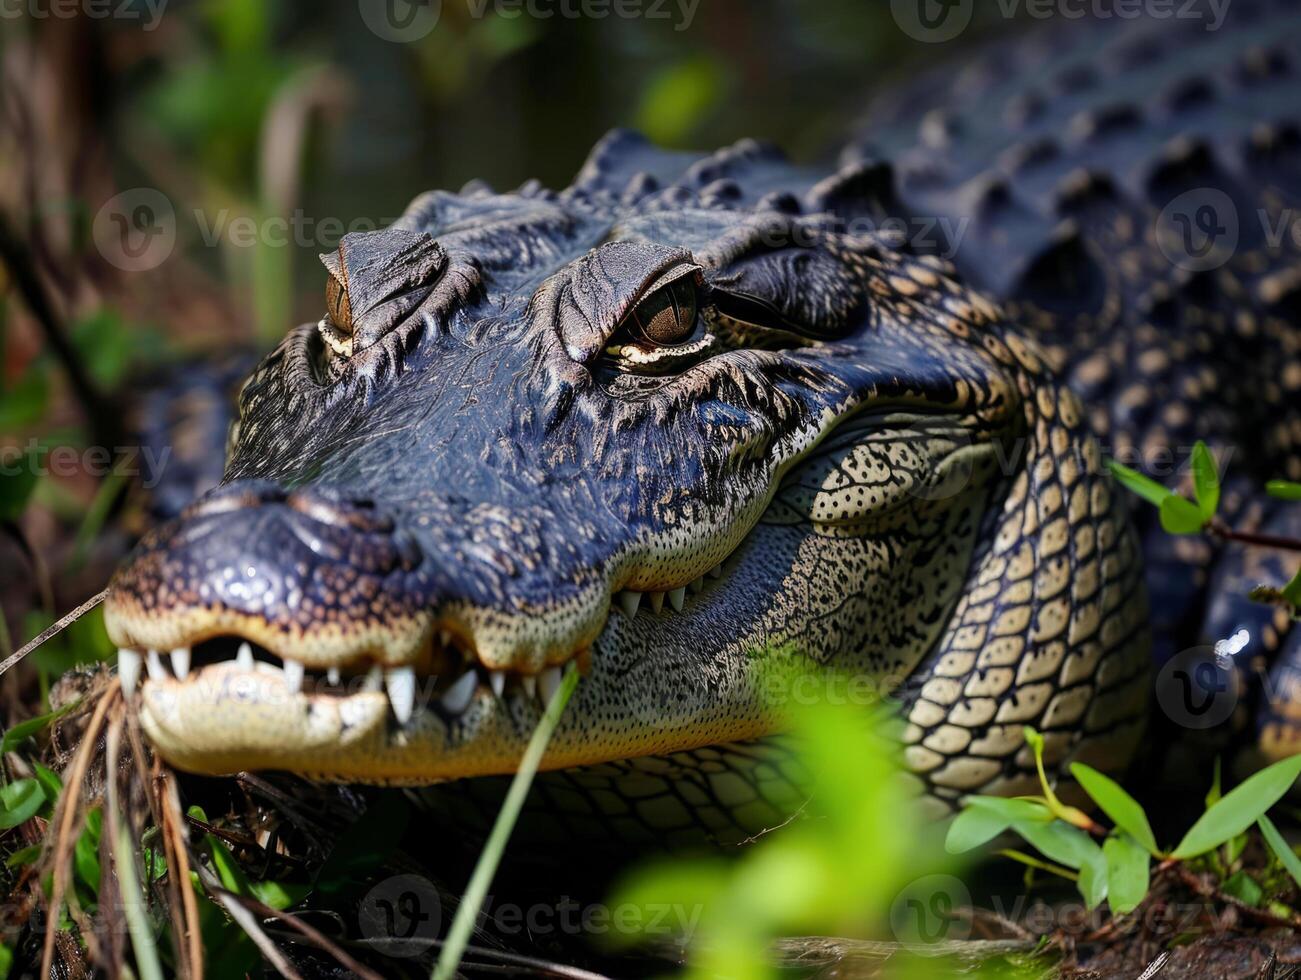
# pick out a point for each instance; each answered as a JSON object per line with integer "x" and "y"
{"x": 1131, "y": 192}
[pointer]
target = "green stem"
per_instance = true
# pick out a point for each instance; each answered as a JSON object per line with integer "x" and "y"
{"x": 1034, "y": 862}
{"x": 458, "y": 937}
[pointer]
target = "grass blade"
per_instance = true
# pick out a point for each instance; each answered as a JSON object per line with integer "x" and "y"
{"x": 1240, "y": 808}
{"x": 466, "y": 913}
{"x": 133, "y": 905}
{"x": 1280, "y": 847}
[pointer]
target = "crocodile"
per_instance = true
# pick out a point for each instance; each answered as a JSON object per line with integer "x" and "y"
{"x": 711, "y": 425}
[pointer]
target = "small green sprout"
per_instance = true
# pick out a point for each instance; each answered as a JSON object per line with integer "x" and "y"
{"x": 1120, "y": 870}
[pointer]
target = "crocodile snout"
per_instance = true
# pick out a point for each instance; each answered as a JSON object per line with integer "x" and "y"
{"x": 310, "y": 574}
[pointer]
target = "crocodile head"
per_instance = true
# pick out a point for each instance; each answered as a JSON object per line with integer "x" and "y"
{"x": 687, "y": 430}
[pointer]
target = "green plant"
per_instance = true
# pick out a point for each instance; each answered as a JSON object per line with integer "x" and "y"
{"x": 843, "y": 867}
{"x": 1182, "y": 516}
{"x": 1115, "y": 864}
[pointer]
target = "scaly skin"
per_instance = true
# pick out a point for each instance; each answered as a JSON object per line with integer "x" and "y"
{"x": 478, "y": 452}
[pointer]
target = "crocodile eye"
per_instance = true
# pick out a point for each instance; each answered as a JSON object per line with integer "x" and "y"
{"x": 667, "y": 316}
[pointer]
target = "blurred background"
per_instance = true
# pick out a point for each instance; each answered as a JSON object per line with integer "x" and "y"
{"x": 170, "y": 170}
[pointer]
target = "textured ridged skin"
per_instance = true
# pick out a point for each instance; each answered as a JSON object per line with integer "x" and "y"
{"x": 895, "y": 458}
{"x": 1058, "y": 156}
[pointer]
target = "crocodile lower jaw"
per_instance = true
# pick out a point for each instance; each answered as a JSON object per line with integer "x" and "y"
{"x": 225, "y": 718}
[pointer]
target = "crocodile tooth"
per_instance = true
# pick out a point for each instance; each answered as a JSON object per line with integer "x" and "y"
{"x": 401, "y": 685}
{"x": 154, "y": 664}
{"x": 244, "y": 658}
{"x": 697, "y": 586}
{"x": 657, "y": 601}
{"x": 530, "y": 685}
{"x": 374, "y": 679}
{"x": 181, "y": 662}
{"x": 459, "y": 695}
{"x": 128, "y": 669}
{"x": 332, "y": 676}
{"x": 445, "y": 638}
{"x": 549, "y": 683}
{"x": 677, "y": 597}
{"x": 293, "y": 674}
{"x": 716, "y": 571}
{"x": 497, "y": 679}
{"x": 629, "y": 601}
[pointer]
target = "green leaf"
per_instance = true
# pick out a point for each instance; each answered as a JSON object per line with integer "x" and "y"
{"x": 1013, "y": 810}
{"x": 1136, "y": 482}
{"x": 1206, "y": 481}
{"x": 13, "y": 737}
{"x": 228, "y": 870}
{"x": 1094, "y": 883}
{"x": 50, "y": 782}
{"x": 1240, "y": 808}
{"x": 1124, "y": 811}
{"x": 1244, "y": 888}
{"x": 6, "y": 961}
{"x": 1128, "y": 871}
{"x": 974, "y": 827}
{"x": 1286, "y": 856}
{"x": 1061, "y": 842}
{"x": 1292, "y": 591}
{"x": 279, "y": 895}
{"x": 28, "y": 855}
{"x": 19, "y": 802}
{"x": 1283, "y": 489}
{"x": 1181, "y": 516}
{"x": 1072, "y": 847}
{"x": 1216, "y": 792}
{"x": 85, "y": 853}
